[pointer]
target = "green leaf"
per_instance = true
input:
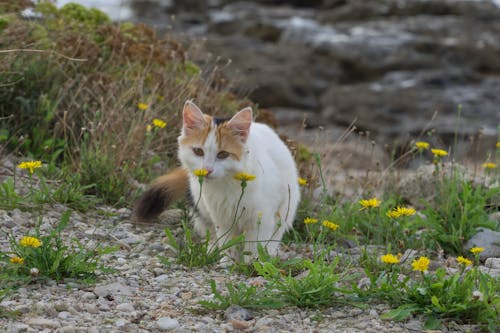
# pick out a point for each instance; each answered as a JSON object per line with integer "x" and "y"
{"x": 432, "y": 323}
{"x": 400, "y": 313}
{"x": 435, "y": 302}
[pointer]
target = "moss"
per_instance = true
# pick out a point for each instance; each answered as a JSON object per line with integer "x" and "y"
{"x": 304, "y": 154}
{"x": 90, "y": 17}
{"x": 191, "y": 69}
{"x": 4, "y": 22}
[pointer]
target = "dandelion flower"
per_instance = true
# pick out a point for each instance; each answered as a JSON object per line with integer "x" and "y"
{"x": 28, "y": 241}
{"x": 369, "y": 203}
{"x": 330, "y": 225}
{"x": 389, "y": 259}
{"x": 142, "y": 106}
{"x": 17, "y": 260}
{"x": 464, "y": 261}
{"x": 489, "y": 165}
{"x": 310, "y": 220}
{"x": 477, "y": 250}
{"x": 149, "y": 128}
{"x": 200, "y": 172}
{"x": 401, "y": 211}
{"x": 30, "y": 165}
{"x": 159, "y": 123}
{"x": 477, "y": 295}
{"x": 498, "y": 144}
{"x": 422, "y": 145}
{"x": 302, "y": 181}
{"x": 244, "y": 177}
{"x": 439, "y": 152}
{"x": 421, "y": 264}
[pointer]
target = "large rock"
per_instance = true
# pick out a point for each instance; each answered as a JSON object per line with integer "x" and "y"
{"x": 487, "y": 239}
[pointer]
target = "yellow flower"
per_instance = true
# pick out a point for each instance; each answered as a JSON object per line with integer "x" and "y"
{"x": 369, "y": 203}
{"x": 421, "y": 264}
{"x": 149, "y": 128}
{"x": 244, "y": 177}
{"x": 142, "y": 106}
{"x": 477, "y": 250}
{"x": 498, "y": 144}
{"x": 389, "y": 259}
{"x": 489, "y": 165}
{"x": 17, "y": 260}
{"x": 302, "y": 181}
{"x": 464, "y": 261}
{"x": 30, "y": 165}
{"x": 28, "y": 241}
{"x": 159, "y": 123}
{"x": 310, "y": 220}
{"x": 439, "y": 152}
{"x": 401, "y": 211}
{"x": 330, "y": 225}
{"x": 200, "y": 172}
{"x": 421, "y": 145}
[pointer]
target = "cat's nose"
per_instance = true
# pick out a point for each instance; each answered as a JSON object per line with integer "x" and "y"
{"x": 209, "y": 170}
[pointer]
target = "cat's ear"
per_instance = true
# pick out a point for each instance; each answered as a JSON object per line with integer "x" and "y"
{"x": 240, "y": 123}
{"x": 192, "y": 117}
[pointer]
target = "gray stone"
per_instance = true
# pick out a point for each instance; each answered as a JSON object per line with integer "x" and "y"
{"x": 237, "y": 312}
{"x": 67, "y": 329}
{"x": 43, "y": 322}
{"x": 114, "y": 289}
{"x": 125, "y": 307}
{"x": 487, "y": 239}
{"x": 120, "y": 322}
{"x": 492, "y": 263}
{"x": 65, "y": 315}
{"x": 167, "y": 323}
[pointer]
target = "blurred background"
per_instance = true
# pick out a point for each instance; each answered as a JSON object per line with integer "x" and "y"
{"x": 396, "y": 69}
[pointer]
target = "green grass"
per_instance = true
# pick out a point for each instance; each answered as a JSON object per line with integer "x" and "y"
{"x": 53, "y": 256}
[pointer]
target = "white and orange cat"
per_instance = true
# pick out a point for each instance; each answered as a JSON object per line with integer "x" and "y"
{"x": 225, "y": 148}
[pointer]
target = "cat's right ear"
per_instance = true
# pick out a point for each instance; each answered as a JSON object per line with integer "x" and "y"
{"x": 192, "y": 117}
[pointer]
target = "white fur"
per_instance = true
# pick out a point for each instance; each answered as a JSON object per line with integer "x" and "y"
{"x": 271, "y": 198}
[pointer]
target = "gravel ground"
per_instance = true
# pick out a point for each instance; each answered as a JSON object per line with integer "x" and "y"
{"x": 144, "y": 295}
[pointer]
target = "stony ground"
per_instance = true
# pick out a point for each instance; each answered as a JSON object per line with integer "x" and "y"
{"x": 144, "y": 295}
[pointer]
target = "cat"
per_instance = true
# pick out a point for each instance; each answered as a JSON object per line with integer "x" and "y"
{"x": 224, "y": 148}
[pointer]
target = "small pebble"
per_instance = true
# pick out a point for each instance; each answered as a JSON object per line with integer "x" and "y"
{"x": 167, "y": 323}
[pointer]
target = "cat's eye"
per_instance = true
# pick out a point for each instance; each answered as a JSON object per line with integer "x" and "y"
{"x": 222, "y": 155}
{"x": 198, "y": 151}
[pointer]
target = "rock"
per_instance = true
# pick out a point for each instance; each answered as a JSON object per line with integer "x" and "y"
{"x": 65, "y": 315}
{"x": 167, "y": 323}
{"x": 113, "y": 289}
{"x": 236, "y": 312}
{"x": 67, "y": 329}
{"x": 43, "y": 322}
{"x": 125, "y": 307}
{"x": 120, "y": 322}
{"x": 487, "y": 239}
{"x": 493, "y": 263}
{"x": 241, "y": 324}
{"x": 93, "y": 329}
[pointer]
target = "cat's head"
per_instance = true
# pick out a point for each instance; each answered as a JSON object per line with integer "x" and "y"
{"x": 216, "y": 145}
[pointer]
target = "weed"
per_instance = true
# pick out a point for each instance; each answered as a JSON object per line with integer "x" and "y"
{"x": 52, "y": 256}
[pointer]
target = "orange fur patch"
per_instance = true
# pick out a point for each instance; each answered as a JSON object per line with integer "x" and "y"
{"x": 198, "y": 136}
{"x": 227, "y": 141}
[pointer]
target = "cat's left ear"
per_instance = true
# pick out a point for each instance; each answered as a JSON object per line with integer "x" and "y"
{"x": 240, "y": 123}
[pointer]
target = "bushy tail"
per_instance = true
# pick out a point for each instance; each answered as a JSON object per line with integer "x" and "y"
{"x": 163, "y": 191}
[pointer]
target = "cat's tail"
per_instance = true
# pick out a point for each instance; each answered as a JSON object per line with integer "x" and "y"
{"x": 163, "y": 191}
